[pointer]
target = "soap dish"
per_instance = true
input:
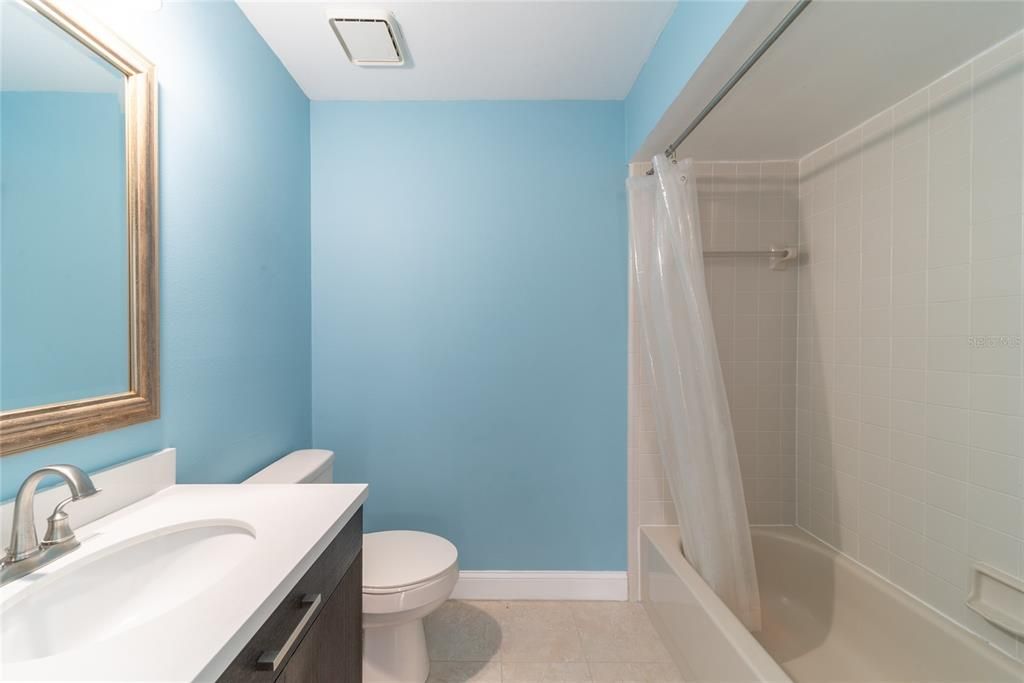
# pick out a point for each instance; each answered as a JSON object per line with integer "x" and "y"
{"x": 998, "y": 597}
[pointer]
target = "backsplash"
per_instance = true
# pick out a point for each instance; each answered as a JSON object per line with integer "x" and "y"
{"x": 909, "y": 354}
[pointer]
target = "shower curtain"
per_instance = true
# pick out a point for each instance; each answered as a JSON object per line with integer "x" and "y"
{"x": 694, "y": 428}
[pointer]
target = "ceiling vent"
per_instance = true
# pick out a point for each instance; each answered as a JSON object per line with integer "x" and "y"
{"x": 369, "y": 39}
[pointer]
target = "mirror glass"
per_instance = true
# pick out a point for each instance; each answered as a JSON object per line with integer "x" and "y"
{"x": 64, "y": 274}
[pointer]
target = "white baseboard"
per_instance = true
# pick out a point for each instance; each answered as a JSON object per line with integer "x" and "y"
{"x": 541, "y": 585}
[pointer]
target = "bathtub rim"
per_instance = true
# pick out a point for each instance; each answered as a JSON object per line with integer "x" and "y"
{"x": 975, "y": 641}
{"x": 665, "y": 538}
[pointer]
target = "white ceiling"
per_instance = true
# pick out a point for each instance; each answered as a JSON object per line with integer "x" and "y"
{"x": 837, "y": 65}
{"x": 472, "y": 50}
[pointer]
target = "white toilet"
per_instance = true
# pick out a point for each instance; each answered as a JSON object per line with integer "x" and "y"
{"x": 406, "y": 576}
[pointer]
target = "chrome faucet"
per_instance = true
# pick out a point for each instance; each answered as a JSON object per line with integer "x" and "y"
{"x": 25, "y": 553}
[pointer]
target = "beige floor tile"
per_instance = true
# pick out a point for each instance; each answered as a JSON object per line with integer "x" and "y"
{"x": 463, "y": 632}
{"x": 634, "y": 672}
{"x": 538, "y": 632}
{"x": 549, "y": 672}
{"x": 464, "y": 672}
{"x": 542, "y": 642}
{"x": 617, "y": 632}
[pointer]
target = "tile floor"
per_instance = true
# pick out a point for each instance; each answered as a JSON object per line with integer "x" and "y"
{"x": 545, "y": 641}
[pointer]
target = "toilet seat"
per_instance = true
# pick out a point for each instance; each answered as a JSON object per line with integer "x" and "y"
{"x": 405, "y": 575}
{"x": 405, "y": 561}
{"x": 409, "y": 600}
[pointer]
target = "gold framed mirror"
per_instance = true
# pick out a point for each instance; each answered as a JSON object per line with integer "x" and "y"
{"x": 60, "y": 326}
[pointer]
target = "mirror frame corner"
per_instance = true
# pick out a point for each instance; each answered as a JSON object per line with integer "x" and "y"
{"x": 37, "y": 426}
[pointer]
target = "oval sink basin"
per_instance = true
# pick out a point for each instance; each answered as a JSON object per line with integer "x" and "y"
{"x": 120, "y": 587}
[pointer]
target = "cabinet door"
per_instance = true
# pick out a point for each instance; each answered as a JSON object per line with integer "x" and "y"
{"x": 286, "y": 629}
{"x": 332, "y": 651}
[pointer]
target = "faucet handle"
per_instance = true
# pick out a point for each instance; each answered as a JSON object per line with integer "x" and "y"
{"x": 58, "y": 525}
{"x": 58, "y": 529}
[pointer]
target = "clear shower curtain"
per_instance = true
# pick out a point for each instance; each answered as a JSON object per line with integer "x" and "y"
{"x": 698, "y": 449}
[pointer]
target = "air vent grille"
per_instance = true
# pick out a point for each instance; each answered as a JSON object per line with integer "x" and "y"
{"x": 369, "y": 41}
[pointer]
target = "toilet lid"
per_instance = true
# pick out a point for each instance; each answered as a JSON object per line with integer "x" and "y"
{"x": 395, "y": 559}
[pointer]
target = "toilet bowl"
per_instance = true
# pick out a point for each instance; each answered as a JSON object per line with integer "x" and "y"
{"x": 406, "y": 576}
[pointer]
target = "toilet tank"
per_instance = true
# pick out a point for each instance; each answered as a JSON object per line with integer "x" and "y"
{"x": 308, "y": 466}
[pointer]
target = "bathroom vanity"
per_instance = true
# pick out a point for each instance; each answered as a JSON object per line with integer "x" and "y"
{"x": 315, "y": 634}
{"x": 193, "y": 583}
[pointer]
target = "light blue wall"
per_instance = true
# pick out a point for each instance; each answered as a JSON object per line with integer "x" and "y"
{"x": 63, "y": 255}
{"x": 469, "y": 275}
{"x": 469, "y": 323}
{"x": 234, "y": 239}
{"x": 688, "y": 37}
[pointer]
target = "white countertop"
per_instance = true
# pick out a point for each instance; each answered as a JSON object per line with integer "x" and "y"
{"x": 197, "y": 639}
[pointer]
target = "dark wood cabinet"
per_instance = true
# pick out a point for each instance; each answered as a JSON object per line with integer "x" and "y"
{"x": 316, "y": 634}
{"x": 332, "y": 649}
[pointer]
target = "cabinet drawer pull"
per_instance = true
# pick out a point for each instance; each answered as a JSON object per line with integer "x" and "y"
{"x": 271, "y": 659}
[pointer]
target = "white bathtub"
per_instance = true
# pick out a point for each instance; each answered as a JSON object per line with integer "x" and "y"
{"x": 825, "y": 618}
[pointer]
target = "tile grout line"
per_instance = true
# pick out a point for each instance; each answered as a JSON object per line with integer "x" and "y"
{"x": 579, "y": 637}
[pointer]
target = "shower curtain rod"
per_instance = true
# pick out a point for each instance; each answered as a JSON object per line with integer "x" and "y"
{"x": 790, "y": 17}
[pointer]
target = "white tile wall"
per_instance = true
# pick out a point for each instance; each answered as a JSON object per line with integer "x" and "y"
{"x": 752, "y": 206}
{"x": 744, "y": 206}
{"x": 909, "y": 355}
